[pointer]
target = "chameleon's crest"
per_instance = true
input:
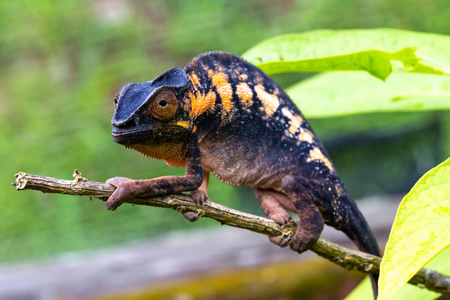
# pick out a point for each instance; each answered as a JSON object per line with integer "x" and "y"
{"x": 134, "y": 95}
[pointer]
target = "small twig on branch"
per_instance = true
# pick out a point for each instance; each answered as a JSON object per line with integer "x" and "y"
{"x": 346, "y": 258}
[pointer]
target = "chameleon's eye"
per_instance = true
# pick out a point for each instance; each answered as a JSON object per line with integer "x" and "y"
{"x": 164, "y": 105}
{"x": 116, "y": 97}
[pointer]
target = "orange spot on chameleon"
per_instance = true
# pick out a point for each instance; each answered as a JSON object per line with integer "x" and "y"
{"x": 183, "y": 124}
{"x": 306, "y": 136}
{"x": 295, "y": 123}
{"x": 201, "y": 103}
{"x": 223, "y": 87}
{"x": 193, "y": 78}
{"x": 244, "y": 93}
{"x": 243, "y": 77}
{"x": 269, "y": 101}
{"x": 316, "y": 154}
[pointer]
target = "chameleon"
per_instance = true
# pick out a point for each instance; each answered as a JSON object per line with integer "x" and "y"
{"x": 222, "y": 115}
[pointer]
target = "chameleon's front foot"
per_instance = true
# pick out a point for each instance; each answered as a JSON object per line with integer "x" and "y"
{"x": 200, "y": 197}
{"x": 123, "y": 192}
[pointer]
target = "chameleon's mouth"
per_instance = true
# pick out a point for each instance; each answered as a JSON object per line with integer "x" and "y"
{"x": 118, "y": 132}
{"x": 149, "y": 136}
{"x": 132, "y": 136}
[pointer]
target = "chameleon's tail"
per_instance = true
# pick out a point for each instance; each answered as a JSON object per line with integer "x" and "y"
{"x": 360, "y": 233}
{"x": 357, "y": 229}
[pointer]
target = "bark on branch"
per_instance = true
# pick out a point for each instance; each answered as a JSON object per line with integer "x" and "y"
{"x": 346, "y": 258}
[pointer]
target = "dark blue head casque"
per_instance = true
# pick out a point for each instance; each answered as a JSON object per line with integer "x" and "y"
{"x": 134, "y": 95}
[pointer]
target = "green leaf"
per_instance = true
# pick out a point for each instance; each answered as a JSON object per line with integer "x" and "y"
{"x": 371, "y": 50}
{"x": 420, "y": 230}
{"x": 362, "y": 291}
{"x": 441, "y": 264}
{"x": 375, "y": 62}
{"x": 346, "y": 93}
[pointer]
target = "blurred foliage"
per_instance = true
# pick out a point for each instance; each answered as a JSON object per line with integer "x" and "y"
{"x": 311, "y": 279}
{"x": 377, "y": 51}
{"x": 63, "y": 61}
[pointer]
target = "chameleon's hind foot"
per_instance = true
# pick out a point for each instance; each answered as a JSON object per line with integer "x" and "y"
{"x": 303, "y": 239}
{"x": 280, "y": 241}
{"x": 269, "y": 201}
{"x": 311, "y": 221}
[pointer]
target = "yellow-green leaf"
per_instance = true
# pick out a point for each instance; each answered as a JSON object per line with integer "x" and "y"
{"x": 420, "y": 230}
{"x": 346, "y": 93}
{"x": 440, "y": 263}
{"x": 362, "y": 291}
{"x": 371, "y": 50}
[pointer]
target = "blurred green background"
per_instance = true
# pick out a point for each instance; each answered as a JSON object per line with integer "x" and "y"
{"x": 63, "y": 61}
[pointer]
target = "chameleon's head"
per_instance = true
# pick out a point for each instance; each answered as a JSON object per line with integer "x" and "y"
{"x": 152, "y": 116}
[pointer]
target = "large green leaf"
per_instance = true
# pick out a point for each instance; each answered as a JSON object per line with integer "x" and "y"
{"x": 370, "y": 50}
{"x": 420, "y": 230}
{"x": 440, "y": 263}
{"x": 345, "y": 93}
{"x": 362, "y": 291}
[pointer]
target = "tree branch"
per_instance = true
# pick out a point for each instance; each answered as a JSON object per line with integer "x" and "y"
{"x": 346, "y": 258}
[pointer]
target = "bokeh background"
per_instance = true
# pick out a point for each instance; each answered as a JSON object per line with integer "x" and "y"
{"x": 62, "y": 62}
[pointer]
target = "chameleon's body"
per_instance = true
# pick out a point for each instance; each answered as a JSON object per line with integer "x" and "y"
{"x": 223, "y": 115}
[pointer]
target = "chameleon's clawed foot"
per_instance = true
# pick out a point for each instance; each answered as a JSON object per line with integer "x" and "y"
{"x": 200, "y": 196}
{"x": 121, "y": 193}
{"x": 282, "y": 217}
{"x": 192, "y": 216}
{"x": 280, "y": 241}
{"x": 303, "y": 239}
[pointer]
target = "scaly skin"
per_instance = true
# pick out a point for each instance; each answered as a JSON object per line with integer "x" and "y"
{"x": 224, "y": 116}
